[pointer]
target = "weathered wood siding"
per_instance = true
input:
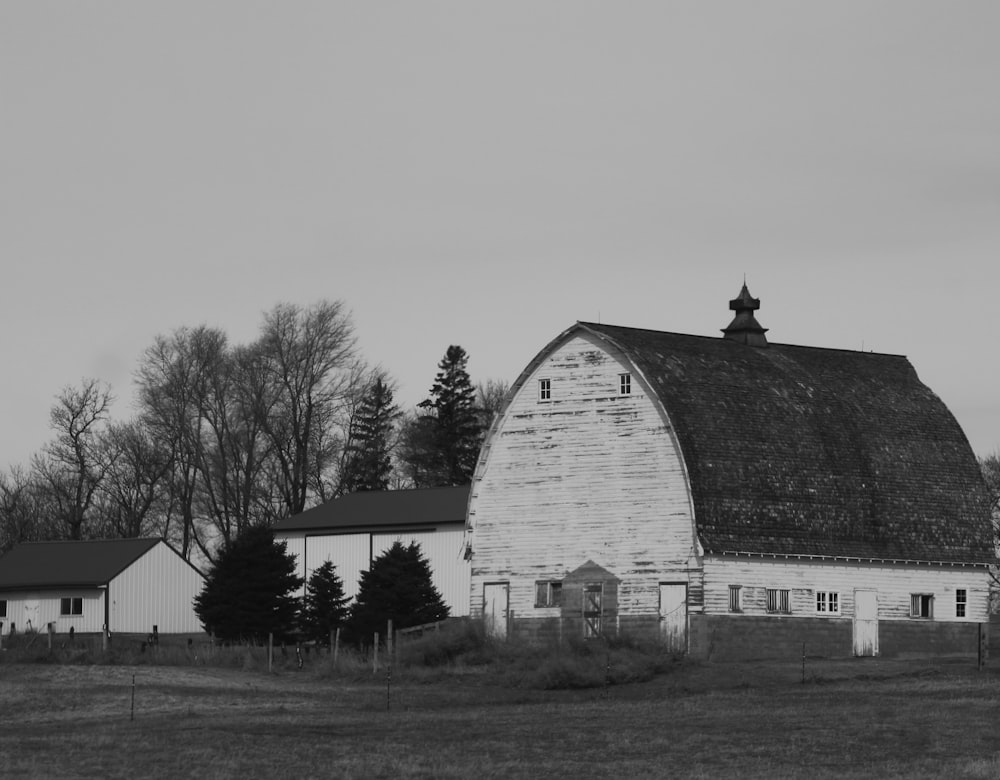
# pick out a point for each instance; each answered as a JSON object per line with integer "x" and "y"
{"x": 587, "y": 475}
{"x": 157, "y": 589}
{"x": 802, "y": 578}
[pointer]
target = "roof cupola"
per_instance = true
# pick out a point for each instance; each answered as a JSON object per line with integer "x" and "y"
{"x": 744, "y": 328}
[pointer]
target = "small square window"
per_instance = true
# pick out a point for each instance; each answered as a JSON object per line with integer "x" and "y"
{"x": 71, "y": 606}
{"x": 922, "y": 605}
{"x": 544, "y": 389}
{"x": 777, "y": 601}
{"x": 735, "y": 598}
{"x": 3, "y": 608}
{"x": 827, "y": 602}
{"x": 624, "y": 384}
{"x": 548, "y": 593}
{"x": 961, "y": 599}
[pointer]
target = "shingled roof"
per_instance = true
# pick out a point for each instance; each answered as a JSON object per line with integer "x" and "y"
{"x": 796, "y": 450}
{"x": 69, "y": 563}
{"x": 425, "y": 506}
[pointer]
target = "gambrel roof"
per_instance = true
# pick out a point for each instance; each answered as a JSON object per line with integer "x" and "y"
{"x": 423, "y": 506}
{"x": 69, "y": 563}
{"x": 796, "y": 450}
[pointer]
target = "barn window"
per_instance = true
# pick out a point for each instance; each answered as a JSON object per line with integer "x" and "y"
{"x": 827, "y": 602}
{"x": 777, "y": 601}
{"x": 624, "y": 384}
{"x": 735, "y": 598}
{"x": 960, "y": 602}
{"x": 544, "y": 389}
{"x": 548, "y": 593}
{"x": 3, "y": 608}
{"x": 71, "y": 606}
{"x": 922, "y": 605}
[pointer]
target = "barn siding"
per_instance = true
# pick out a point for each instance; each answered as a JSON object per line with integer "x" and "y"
{"x": 894, "y": 583}
{"x": 157, "y": 589}
{"x": 588, "y": 475}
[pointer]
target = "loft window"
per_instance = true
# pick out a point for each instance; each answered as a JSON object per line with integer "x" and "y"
{"x": 544, "y": 389}
{"x": 922, "y": 605}
{"x": 624, "y": 384}
{"x": 961, "y": 599}
{"x": 777, "y": 601}
{"x": 735, "y": 598}
{"x": 827, "y": 602}
{"x": 71, "y": 606}
{"x": 548, "y": 593}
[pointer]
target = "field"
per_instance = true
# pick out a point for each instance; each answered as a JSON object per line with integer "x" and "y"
{"x": 854, "y": 719}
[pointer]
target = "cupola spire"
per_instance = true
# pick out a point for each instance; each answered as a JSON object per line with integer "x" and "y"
{"x": 744, "y": 328}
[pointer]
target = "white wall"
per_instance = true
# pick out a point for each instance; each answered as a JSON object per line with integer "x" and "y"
{"x": 43, "y": 607}
{"x": 157, "y": 589}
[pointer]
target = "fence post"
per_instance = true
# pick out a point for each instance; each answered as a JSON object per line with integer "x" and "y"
{"x": 270, "y": 651}
{"x": 803, "y": 663}
{"x": 336, "y": 647}
{"x": 375, "y": 655}
{"x": 388, "y": 643}
{"x": 52, "y": 630}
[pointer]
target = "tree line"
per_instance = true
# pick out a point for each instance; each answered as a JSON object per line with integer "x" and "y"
{"x": 227, "y": 437}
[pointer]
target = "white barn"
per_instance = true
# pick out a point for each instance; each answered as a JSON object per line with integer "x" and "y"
{"x": 353, "y": 530}
{"x": 735, "y": 497}
{"x": 122, "y": 585}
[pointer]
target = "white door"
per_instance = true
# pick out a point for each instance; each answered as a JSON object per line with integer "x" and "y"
{"x": 673, "y": 616}
{"x": 865, "y": 623}
{"x": 495, "y": 598}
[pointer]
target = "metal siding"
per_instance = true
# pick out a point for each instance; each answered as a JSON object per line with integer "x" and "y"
{"x": 44, "y": 607}
{"x": 349, "y": 553}
{"x": 157, "y": 589}
{"x": 589, "y": 475}
{"x": 444, "y": 552}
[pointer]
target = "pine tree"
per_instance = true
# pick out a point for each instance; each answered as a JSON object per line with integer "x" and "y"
{"x": 448, "y": 435}
{"x": 324, "y": 607}
{"x": 368, "y": 463}
{"x": 398, "y": 587}
{"x": 247, "y": 594}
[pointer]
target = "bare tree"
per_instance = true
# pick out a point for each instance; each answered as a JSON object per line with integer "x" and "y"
{"x": 25, "y": 513}
{"x": 310, "y": 356}
{"x": 135, "y": 489}
{"x": 491, "y": 396}
{"x": 74, "y": 464}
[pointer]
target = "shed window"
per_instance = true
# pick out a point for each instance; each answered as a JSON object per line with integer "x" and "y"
{"x": 624, "y": 384}
{"x": 3, "y": 608}
{"x": 827, "y": 602}
{"x": 922, "y": 605}
{"x": 960, "y": 602}
{"x": 735, "y": 598}
{"x": 548, "y": 593}
{"x": 777, "y": 601}
{"x": 71, "y": 606}
{"x": 544, "y": 389}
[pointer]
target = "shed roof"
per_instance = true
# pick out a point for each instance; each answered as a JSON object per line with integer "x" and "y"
{"x": 809, "y": 451}
{"x": 366, "y": 509}
{"x": 69, "y": 563}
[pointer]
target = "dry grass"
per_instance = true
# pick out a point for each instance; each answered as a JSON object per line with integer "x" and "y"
{"x": 853, "y": 719}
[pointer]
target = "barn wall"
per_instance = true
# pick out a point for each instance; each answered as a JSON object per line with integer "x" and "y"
{"x": 894, "y": 583}
{"x": 157, "y": 589}
{"x": 42, "y": 608}
{"x": 587, "y": 475}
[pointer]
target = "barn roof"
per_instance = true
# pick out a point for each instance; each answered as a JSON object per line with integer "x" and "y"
{"x": 69, "y": 563}
{"x": 424, "y": 506}
{"x": 796, "y": 450}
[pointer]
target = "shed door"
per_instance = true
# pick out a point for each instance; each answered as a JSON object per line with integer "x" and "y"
{"x": 865, "y": 623}
{"x": 30, "y": 619}
{"x": 495, "y": 598}
{"x": 673, "y": 616}
{"x": 593, "y": 609}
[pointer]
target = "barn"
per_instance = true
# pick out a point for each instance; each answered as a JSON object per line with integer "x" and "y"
{"x": 731, "y": 496}
{"x": 124, "y": 585}
{"x": 353, "y": 530}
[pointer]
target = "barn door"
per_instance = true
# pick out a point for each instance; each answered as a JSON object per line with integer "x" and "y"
{"x": 673, "y": 616}
{"x": 593, "y": 609}
{"x": 495, "y": 605}
{"x": 865, "y": 623}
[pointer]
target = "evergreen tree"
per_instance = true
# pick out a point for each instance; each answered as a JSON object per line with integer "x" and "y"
{"x": 398, "y": 587}
{"x": 446, "y": 438}
{"x": 368, "y": 462}
{"x": 324, "y": 607}
{"x": 247, "y": 593}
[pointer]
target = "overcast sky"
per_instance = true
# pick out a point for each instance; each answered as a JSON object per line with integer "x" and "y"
{"x": 486, "y": 174}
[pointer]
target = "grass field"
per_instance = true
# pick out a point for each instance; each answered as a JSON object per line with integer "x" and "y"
{"x": 850, "y": 719}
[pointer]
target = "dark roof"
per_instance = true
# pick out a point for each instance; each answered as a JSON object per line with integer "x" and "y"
{"x": 808, "y": 451}
{"x": 425, "y": 506}
{"x": 69, "y": 564}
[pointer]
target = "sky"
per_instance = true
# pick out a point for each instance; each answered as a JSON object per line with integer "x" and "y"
{"x": 488, "y": 173}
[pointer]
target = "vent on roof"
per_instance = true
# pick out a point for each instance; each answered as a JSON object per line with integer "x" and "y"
{"x": 744, "y": 328}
